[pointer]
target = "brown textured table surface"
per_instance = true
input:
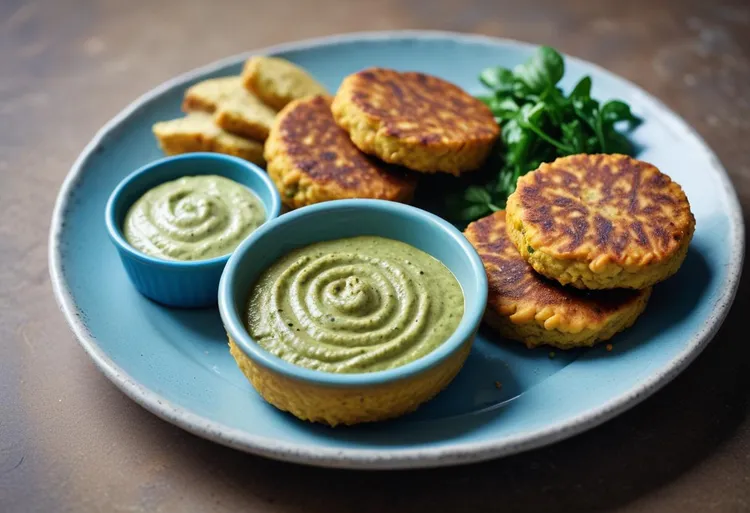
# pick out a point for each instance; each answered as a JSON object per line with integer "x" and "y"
{"x": 69, "y": 441}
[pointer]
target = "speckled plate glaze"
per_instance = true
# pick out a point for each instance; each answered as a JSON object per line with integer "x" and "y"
{"x": 176, "y": 363}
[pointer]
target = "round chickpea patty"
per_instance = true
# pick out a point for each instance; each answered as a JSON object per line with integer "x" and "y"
{"x": 310, "y": 159}
{"x": 415, "y": 120}
{"x": 601, "y": 222}
{"x": 524, "y": 306}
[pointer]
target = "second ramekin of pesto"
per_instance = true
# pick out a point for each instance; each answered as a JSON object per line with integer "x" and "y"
{"x": 352, "y": 311}
{"x": 352, "y": 305}
{"x": 176, "y": 221}
{"x": 193, "y": 218}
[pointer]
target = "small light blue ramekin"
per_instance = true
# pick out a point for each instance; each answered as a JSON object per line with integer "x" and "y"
{"x": 351, "y": 398}
{"x": 181, "y": 284}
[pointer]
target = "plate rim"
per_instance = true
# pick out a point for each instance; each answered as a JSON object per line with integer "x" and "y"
{"x": 456, "y": 453}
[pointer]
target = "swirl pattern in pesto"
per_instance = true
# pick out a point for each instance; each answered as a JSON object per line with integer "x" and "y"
{"x": 360, "y": 304}
{"x": 193, "y": 218}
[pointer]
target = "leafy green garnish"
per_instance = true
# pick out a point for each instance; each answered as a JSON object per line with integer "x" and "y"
{"x": 539, "y": 123}
{"x": 542, "y": 72}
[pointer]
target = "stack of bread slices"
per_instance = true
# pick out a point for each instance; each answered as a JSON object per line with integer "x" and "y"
{"x": 233, "y": 114}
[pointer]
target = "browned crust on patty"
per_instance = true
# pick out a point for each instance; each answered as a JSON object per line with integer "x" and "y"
{"x": 612, "y": 205}
{"x": 423, "y": 122}
{"x": 307, "y": 148}
{"x": 514, "y": 285}
{"x": 418, "y": 106}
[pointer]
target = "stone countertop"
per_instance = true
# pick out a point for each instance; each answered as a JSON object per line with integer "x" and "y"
{"x": 70, "y": 441}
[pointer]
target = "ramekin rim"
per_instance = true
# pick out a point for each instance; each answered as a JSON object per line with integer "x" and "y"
{"x": 273, "y": 209}
{"x": 473, "y": 306}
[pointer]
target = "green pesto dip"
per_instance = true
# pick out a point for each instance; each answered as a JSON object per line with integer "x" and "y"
{"x": 354, "y": 305}
{"x": 193, "y": 218}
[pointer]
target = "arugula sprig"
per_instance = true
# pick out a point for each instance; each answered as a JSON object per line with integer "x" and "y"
{"x": 540, "y": 123}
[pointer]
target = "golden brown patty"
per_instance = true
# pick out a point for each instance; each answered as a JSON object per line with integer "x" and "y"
{"x": 310, "y": 159}
{"x": 601, "y": 221}
{"x": 524, "y": 306}
{"x": 415, "y": 120}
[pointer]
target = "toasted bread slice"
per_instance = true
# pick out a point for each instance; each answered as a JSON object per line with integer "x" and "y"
{"x": 244, "y": 114}
{"x": 197, "y": 132}
{"x": 277, "y": 81}
{"x": 206, "y": 95}
{"x": 235, "y": 109}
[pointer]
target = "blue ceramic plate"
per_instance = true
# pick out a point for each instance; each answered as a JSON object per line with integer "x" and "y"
{"x": 176, "y": 363}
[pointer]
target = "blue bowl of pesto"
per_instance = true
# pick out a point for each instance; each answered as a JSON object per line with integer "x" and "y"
{"x": 176, "y": 221}
{"x": 352, "y": 311}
